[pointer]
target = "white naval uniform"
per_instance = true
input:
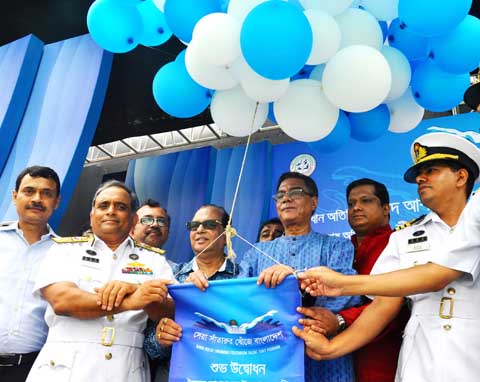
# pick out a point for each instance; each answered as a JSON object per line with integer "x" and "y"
{"x": 441, "y": 341}
{"x": 75, "y": 350}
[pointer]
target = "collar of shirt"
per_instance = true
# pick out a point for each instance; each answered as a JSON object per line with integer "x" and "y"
{"x": 13, "y": 226}
{"x": 295, "y": 238}
{"x": 196, "y": 268}
{"x": 101, "y": 245}
{"x": 186, "y": 268}
{"x": 380, "y": 231}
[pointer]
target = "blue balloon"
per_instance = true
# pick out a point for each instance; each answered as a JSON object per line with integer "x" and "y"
{"x": 155, "y": 28}
{"x": 459, "y": 50}
{"x": 115, "y": 27}
{"x": 432, "y": 17}
{"x": 413, "y": 46}
{"x": 436, "y": 90}
{"x": 369, "y": 125}
{"x": 384, "y": 28}
{"x": 276, "y": 39}
{"x": 338, "y": 137}
{"x": 177, "y": 94}
{"x": 182, "y": 15}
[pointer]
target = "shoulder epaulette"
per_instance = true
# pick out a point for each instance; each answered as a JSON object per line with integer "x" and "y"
{"x": 410, "y": 223}
{"x": 70, "y": 239}
{"x": 150, "y": 248}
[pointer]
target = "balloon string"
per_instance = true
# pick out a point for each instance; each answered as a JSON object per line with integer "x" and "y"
{"x": 229, "y": 230}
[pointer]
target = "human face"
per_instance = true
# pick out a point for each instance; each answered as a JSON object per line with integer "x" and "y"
{"x": 111, "y": 217}
{"x": 295, "y": 211}
{"x": 201, "y": 238}
{"x": 271, "y": 231}
{"x": 153, "y": 234}
{"x": 437, "y": 183}
{"x": 365, "y": 211}
{"x": 35, "y": 200}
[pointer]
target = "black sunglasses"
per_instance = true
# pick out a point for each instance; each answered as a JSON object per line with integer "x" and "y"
{"x": 149, "y": 220}
{"x": 207, "y": 224}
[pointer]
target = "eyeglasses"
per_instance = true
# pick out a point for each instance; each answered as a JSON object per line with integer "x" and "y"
{"x": 294, "y": 193}
{"x": 210, "y": 224}
{"x": 149, "y": 220}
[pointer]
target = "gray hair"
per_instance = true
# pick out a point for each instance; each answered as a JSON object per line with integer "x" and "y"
{"x": 117, "y": 183}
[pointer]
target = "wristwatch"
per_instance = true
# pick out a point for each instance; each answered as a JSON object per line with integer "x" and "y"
{"x": 341, "y": 322}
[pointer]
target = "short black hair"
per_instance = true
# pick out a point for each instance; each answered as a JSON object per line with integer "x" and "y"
{"x": 225, "y": 216}
{"x": 117, "y": 183}
{"x": 38, "y": 172}
{"x": 152, "y": 203}
{"x": 266, "y": 222}
{"x": 380, "y": 190}
{"x": 309, "y": 182}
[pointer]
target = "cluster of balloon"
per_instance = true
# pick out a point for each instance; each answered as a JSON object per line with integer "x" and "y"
{"x": 324, "y": 70}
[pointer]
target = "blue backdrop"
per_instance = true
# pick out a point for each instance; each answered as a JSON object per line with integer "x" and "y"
{"x": 185, "y": 180}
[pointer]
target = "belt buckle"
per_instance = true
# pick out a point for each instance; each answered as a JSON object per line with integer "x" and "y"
{"x": 108, "y": 336}
{"x": 442, "y": 305}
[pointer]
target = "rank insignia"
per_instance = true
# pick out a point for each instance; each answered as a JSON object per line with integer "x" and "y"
{"x": 91, "y": 252}
{"x": 133, "y": 256}
{"x": 91, "y": 259}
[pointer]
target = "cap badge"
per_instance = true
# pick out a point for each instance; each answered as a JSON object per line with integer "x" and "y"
{"x": 420, "y": 151}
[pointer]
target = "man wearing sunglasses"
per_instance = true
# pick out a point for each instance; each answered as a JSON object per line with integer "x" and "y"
{"x": 296, "y": 200}
{"x": 208, "y": 263}
{"x": 153, "y": 224}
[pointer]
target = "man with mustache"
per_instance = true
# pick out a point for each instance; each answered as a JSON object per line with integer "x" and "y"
{"x": 23, "y": 244}
{"x": 153, "y": 225}
{"x": 100, "y": 290}
{"x": 441, "y": 341}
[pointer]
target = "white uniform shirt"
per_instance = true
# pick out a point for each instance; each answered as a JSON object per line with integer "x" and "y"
{"x": 442, "y": 338}
{"x": 106, "y": 348}
{"x": 22, "y": 325}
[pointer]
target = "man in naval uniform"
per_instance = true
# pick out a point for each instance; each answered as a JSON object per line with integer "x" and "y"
{"x": 441, "y": 341}
{"x": 100, "y": 291}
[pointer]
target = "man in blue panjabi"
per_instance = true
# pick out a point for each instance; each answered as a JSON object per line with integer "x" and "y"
{"x": 301, "y": 248}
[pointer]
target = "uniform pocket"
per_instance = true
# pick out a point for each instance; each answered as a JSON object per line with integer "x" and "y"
{"x": 53, "y": 366}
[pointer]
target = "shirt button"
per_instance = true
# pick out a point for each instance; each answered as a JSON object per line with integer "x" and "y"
{"x": 52, "y": 363}
{"x": 292, "y": 254}
{"x": 108, "y": 356}
{"x": 110, "y": 317}
{"x": 415, "y": 263}
{"x": 115, "y": 256}
{"x": 447, "y": 327}
{"x": 451, "y": 291}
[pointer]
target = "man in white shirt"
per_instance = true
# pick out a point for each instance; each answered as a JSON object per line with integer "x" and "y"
{"x": 23, "y": 245}
{"x": 100, "y": 291}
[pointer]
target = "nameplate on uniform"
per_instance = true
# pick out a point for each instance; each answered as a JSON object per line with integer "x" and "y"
{"x": 91, "y": 259}
{"x": 417, "y": 244}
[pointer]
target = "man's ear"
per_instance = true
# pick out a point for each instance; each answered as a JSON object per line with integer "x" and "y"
{"x": 462, "y": 177}
{"x": 14, "y": 196}
{"x": 386, "y": 209}
{"x": 57, "y": 202}
{"x": 315, "y": 203}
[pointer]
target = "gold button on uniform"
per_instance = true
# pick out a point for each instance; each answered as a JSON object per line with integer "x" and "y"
{"x": 52, "y": 363}
{"x": 415, "y": 263}
{"x": 108, "y": 356}
{"x": 447, "y": 327}
{"x": 451, "y": 291}
{"x": 110, "y": 317}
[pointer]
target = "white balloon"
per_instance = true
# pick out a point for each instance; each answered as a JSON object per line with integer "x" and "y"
{"x": 160, "y": 4}
{"x": 217, "y": 38}
{"x": 326, "y": 36}
{"x": 241, "y": 8}
{"x": 206, "y": 74}
{"x": 334, "y": 7}
{"x": 359, "y": 28}
{"x": 357, "y": 78}
{"x": 405, "y": 113}
{"x": 317, "y": 72}
{"x": 258, "y": 88}
{"x": 233, "y": 112}
{"x": 304, "y": 113}
{"x": 401, "y": 71}
{"x": 381, "y": 9}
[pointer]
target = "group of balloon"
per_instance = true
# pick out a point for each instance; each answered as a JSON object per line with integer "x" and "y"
{"x": 324, "y": 70}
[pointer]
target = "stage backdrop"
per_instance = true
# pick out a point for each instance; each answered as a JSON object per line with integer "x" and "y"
{"x": 183, "y": 181}
{"x": 50, "y": 101}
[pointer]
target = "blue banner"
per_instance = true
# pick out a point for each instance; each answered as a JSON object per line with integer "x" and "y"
{"x": 237, "y": 331}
